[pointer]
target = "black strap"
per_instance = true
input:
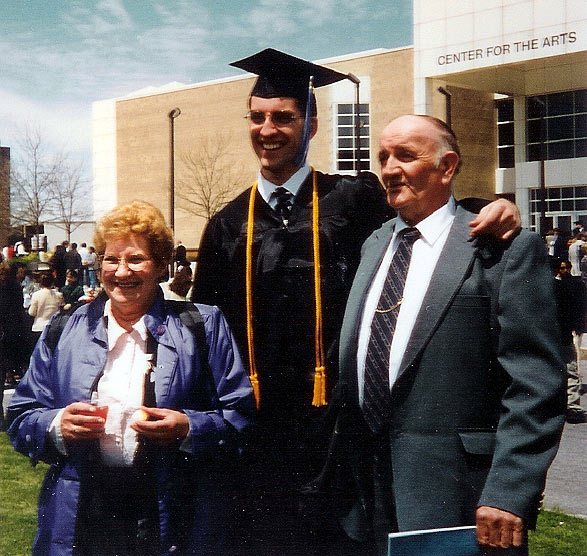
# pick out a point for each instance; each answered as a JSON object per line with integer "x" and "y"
{"x": 205, "y": 392}
{"x": 57, "y": 324}
{"x": 149, "y": 383}
{"x": 190, "y": 316}
{"x": 192, "y": 319}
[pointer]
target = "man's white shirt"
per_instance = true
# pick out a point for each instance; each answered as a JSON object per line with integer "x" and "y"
{"x": 293, "y": 184}
{"x": 426, "y": 251}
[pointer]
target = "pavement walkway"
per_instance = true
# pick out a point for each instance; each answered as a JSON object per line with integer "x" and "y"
{"x": 566, "y": 482}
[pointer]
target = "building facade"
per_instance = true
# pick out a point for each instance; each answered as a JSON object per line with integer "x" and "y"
{"x": 511, "y": 75}
{"x": 530, "y": 57}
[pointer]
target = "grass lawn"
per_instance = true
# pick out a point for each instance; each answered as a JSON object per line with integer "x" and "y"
{"x": 19, "y": 488}
{"x": 557, "y": 534}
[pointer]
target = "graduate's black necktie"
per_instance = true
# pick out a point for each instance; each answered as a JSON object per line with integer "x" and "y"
{"x": 376, "y": 393}
{"x": 283, "y": 204}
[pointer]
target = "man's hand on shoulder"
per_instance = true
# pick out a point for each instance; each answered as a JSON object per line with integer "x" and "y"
{"x": 500, "y": 219}
{"x": 499, "y": 529}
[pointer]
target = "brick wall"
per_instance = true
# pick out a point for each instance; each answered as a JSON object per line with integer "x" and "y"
{"x": 473, "y": 121}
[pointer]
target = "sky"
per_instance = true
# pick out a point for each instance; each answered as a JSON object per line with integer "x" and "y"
{"x": 56, "y": 58}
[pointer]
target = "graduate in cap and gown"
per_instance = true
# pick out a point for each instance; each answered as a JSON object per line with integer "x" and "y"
{"x": 279, "y": 261}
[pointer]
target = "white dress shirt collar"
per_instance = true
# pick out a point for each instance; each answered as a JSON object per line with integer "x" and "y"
{"x": 115, "y": 331}
{"x": 293, "y": 184}
{"x": 431, "y": 227}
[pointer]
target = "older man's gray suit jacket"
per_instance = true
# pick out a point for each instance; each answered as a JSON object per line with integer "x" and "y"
{"x": 479, "y": 402}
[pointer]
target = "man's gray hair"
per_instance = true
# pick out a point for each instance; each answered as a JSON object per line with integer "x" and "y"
{"x": 447, "y": 140}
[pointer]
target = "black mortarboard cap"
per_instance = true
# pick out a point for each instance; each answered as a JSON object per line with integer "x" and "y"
{"x": 283, "y": 75}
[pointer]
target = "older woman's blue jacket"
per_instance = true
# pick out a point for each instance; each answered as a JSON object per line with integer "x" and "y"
{"x": 187, "y": 484}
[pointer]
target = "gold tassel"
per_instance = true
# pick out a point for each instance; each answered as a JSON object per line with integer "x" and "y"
{"x": 319, "y": 387}
{"x": 257, "y": 393}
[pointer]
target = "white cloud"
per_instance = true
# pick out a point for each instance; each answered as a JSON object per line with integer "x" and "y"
{"x": 101, "y": 51}
{"x": 116, "y": 9}
{"x": 63, "y": 126}
{"x": 279, "y": 21}
{"x": 106, "y": 17}
{"x": 321, "y": 12}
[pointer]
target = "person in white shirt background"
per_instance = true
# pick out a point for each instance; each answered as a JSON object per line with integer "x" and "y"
{"x": 44, "y": 304}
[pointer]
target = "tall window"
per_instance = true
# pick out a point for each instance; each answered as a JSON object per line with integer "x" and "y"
{"x": 557, "y": 125}
{"x": 505, "y": 132}
{"x": 346, "y": 137}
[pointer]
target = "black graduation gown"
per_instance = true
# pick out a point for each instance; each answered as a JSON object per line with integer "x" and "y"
{"x": 283, "y": 295}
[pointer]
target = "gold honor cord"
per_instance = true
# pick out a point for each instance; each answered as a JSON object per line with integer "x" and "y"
{"x": 319, "y": 398}
{"x": 319, "y": 372}
{"x": 254, "y": 377}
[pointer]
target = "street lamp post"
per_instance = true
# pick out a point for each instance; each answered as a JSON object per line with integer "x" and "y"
{"x": 172, "y": 115}
{"x": 447, "y": 95}
{"x": 354, "y": 79}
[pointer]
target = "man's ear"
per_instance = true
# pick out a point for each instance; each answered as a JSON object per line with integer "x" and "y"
{"x": 313, "y": 126}
{"x": 448, "y": 164}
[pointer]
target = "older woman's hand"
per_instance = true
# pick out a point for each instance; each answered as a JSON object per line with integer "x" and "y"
{"x": 80, "y": 422}
{"x": 165, "y": 426}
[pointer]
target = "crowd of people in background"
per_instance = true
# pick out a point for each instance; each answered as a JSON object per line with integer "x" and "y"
{"x": 568, "y": 252}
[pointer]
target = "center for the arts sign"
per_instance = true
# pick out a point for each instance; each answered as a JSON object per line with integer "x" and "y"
{"x": 515, "y": 47}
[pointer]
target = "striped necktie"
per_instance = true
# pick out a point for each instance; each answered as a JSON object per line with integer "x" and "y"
{"x": 376, "y": 393}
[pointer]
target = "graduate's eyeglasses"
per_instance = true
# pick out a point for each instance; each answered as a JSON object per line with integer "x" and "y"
{"x": 134, "y": 262}
{"x": 280, "y": 118}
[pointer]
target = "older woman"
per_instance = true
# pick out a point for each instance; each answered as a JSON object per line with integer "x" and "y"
{"x": 138, "y": 482}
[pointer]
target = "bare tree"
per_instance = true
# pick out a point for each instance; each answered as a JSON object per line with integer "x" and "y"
{"x": 4, "y": 195}
{"x": 32, "y": 180}
{"x": 45, "y": 186}
{"x": 69, "y": 206}
{"x": 207, "y": 180}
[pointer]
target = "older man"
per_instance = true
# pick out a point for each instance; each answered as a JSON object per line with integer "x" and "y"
{"x": 454, "y": 387}
{"x": 280, "y": 266}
